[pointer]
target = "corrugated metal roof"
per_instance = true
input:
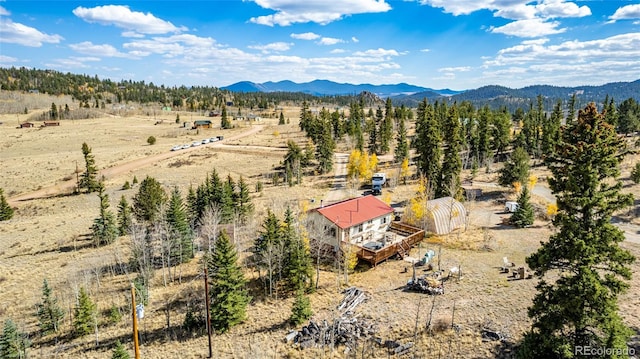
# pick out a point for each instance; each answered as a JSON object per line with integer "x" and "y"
{"x": 354, "y": 211}
{"x": 444, "y": 215}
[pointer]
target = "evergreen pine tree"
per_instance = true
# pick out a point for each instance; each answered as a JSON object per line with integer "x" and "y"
{"x": 149, "y": 199}
{"x": 402, "y": 145}
{"x": 386, "y": 127}
{"x": 228, "y": 293}
{"x": 6, "y": 212}
{"x": 13, "y": 343}
{"x": 551, "y": 130}
{"x": 576, "y": 307}
{"x": 84, "y": 314}
{"x": 225, "y": 123}
{"x": 372, "y": 126}
{"x": 104, "y": 229}
{"x": 516, "y": 169}
{"x": 428, "y": 142}
{"x": 325, "y": 148}
{"x": 49, "y": 313}
{"x": 119, "y": 352}
{"x": 450, "y": 183}
{"x": 635, "y": 173}
{"x": 281, "y": 119}
{"x": 88, "y": 179}
{"x": 181, "y": 235}
{"x": 485, "y": 120}
{"x": 244, "y": 207}
{"x": 524, "y": 215}
{"x": 501, "y": 131}
{"x": 125, "y": 217}
{"x": 298, "y": 265}
{"x": 301, "y": 310}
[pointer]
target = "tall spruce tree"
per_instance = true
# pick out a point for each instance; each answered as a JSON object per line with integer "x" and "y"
{"x": 551, "y": 130}
{"x": 428, "y": 142}
{"x": 298, "y": 265}
{"x": 48, "y": 312}
{"x": 524, "y": 215}
{"x": 576, "y": 305}
{"x": 13, "y": 343}
{"x": 105, "y": 228}
{"x": 181, "y": 234}
{"x": 301, "y": 310}
{"x": 449, "y": 183}
{"x": 386, "y": 127}
{"x": 243, "y": 204}
{"x": 224, "y": 122}
{"x": 228, "y": 292}
{"x": 516, "y": 169}
{"x": 125, "y": 217}
{"x": 401, "y": 152}
{"x": 149, "y": 199}
{"x": 6, "y": 212}
{"x": 84, "y": 314}
{"x": 88, "y": 180}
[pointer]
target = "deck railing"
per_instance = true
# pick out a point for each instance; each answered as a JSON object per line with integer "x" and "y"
{"x": 412, "y": 235}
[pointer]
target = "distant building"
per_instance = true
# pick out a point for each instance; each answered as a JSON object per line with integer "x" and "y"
{"x": 26, "y": 125}
{"x": 201, "y": 124}
{"x": 50, "y": 123}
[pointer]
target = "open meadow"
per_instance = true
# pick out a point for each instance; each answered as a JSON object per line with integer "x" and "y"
{"x": 49, "y": 237}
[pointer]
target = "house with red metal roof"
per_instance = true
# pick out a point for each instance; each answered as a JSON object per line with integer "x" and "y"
{"x": 365, "y": 223}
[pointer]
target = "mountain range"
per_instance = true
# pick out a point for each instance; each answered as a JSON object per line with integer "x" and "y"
{"x": 411, "y": 95}
{"x": 330, "y": 88}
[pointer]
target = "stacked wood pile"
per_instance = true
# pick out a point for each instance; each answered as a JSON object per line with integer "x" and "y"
{"x": 345, "y": 330}
{"x": 427, "y": 284}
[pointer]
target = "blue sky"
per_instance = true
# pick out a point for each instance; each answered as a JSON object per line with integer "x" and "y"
{"x": 457, "y": 44}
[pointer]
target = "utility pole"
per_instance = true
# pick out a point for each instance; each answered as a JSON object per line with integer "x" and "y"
{"x": 206, "y": 296}
{"x": 136, "y": 347}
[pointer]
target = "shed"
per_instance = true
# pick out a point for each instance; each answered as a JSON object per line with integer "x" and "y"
{"x": 26, "y": 125}
{"x": 445, "y": 215}
{"x": 202, "y": 124}
{"x": 50, "y": 123}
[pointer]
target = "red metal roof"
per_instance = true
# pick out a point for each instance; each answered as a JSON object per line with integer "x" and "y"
{"x": 354, "y": 211}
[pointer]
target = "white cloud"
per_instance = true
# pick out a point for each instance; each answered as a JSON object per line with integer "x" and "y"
{"x": 531, "y": 20}
{"x": 537, "y": 61}
{"x": 455, "y": 69}
{"x": 529, "y": 28}
{"x": 16, "y": 33}
{"x": 380, "y": 52}
{"x": 329, "y": 41}
{"x": 354, "y": 39}
{"x": 425, "y": 50}
{"x": 272, "y": 47}
{"x": 104, "y": 50}
{"x": 123, "y": 17}
{"x": 305, "y": 36}
{"x": 559, "y": 8}
{"x": 338, "y": 51}
{"x": 7, "y": 59}
{"x": 626, "y": 12}
{"x": 4, "y": 12}
{"x": 290, "y": 12}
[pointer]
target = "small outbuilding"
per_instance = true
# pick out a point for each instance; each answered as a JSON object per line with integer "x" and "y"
{"x": 26, "y": 125}
{"x": 202, "y": 124}
{"x": 445, "y": 215}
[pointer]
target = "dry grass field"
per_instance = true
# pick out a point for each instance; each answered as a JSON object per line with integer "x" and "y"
{"x": 47, "y": 238}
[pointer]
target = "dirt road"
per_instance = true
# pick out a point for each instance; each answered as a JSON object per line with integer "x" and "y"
{"x": 67, "y": 186}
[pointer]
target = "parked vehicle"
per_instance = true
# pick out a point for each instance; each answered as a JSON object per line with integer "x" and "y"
{"x": 185, "y": 146}
{"x": 220, "y": 138}
{"x": 205, "y": 141}
{"x": 213, "y": 139}
{"x": 176, "y": 148}
{"x": 195, "y": 143}
{"x": 510, "y": 206}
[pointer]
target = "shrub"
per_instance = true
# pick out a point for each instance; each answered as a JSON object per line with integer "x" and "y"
{"x": 151, "y": 140}
{"x": 635, "y": 173}
{"x": 126, "y": 185}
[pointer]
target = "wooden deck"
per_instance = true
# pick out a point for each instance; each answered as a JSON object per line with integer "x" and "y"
{"x": 412, "y": 236}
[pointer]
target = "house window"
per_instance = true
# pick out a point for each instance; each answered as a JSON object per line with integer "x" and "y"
{"x": 359, "y": 228}
{"x": 384, "y": 220}
{"x": 370, "y": 221}
{"x": 333, "y": 231}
